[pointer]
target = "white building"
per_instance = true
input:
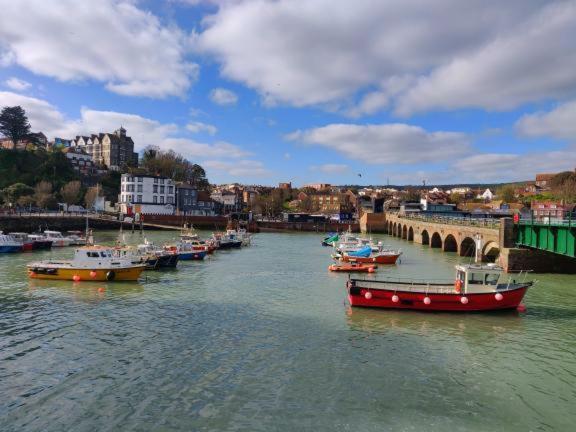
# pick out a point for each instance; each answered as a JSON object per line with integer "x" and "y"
{"x": 146, "y": 194}
{"x": 487, "y": 195}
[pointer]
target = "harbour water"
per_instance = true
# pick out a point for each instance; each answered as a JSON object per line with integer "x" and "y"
{"x": 262, "y": 339}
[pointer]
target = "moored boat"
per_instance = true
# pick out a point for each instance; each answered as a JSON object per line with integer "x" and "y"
{"x": 58, "y": 240}
{"x": 477, "y": 288}
{"x": 9, "y": 244}
{"x": 40, "y": 242}
{"x": 164, "y": 258}
{"x": 24, "y": 239}
{"x": 91, "y": 263}
{"x": 353, "y": 268}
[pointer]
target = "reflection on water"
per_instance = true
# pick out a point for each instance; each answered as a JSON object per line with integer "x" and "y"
{"x": 263, "y": 339}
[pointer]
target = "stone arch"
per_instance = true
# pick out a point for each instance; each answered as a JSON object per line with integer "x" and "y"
{"x": 394, "y": 229}
{"x": 404, "y": 232}
{"x": 468, "y": 247}
{"x": 389, "y": 230}
{"x": 450, "y": 244}
{"x": 410, "y": 234}
{"x": 399, "y": 230}
{"x": 490, "y": 251}
{"x": 425, "y": 238}
{"x": 436, "y": 241}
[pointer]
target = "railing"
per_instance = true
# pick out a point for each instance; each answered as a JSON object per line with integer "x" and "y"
{"x": 550, "y": 222}
{"x": 450, "y": 220}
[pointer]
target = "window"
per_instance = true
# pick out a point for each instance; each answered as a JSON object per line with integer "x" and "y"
{"x": 170, "y": 189}
{"x": 92, "y": 254}
{"x": 155, "y": 180}
{"x": 140, "y": 188}
{"x": 476, "y": 279}
{"x": 161, "y": 181}
{"x": 492, "y": 278}
{"x": 161, "y": 189}
{"x": 155, "y": 199}
{"x": 155, "y": 188}
{"x": 123, "y": 188}
{"x": 161, "y": 199}
{"x": 139, "y": 198}
{"x": 170, "y": 200}
{"x": 201, "y": 203}
{"x": 140, "y": 179}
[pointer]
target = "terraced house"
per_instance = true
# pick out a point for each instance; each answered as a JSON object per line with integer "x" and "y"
{"x": 113, "y": 150}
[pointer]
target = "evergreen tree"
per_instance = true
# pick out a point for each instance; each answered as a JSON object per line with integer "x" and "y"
{"x": 14, "y": 124}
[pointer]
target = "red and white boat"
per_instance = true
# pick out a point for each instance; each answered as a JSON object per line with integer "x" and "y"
{"x": 477, "y": 288}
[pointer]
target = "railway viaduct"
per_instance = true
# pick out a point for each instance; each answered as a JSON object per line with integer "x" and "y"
{"x": 451, "y": 237}
{"x": 498, "y": 240}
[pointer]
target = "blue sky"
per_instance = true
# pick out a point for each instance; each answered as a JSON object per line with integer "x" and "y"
{"x": 261, "y": 91}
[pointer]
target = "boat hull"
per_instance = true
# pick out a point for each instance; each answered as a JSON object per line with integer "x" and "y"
{"x": 10, "y": 248}
{"x": 384, "y": 298}
{"x": 230, "y": 245}
{"x": 379, "y": 259}
{"x": 353, "y": 268}
{"x": 192, "y": 255}
{"x": 168, "y": 261}
{"x": 98, "y": 275}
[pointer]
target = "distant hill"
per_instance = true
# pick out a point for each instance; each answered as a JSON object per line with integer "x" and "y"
{"x": 439, "y": 186}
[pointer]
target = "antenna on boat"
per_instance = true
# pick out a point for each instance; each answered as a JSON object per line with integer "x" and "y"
{"x": 478, "y": 248}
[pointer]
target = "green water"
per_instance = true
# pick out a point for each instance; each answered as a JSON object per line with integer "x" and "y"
{"x": 262, "y": 339}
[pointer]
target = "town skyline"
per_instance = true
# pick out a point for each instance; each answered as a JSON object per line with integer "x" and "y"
{"x": 401, "y": 104}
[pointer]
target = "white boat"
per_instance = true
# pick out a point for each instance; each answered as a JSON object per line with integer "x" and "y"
{"x": 76, "y": 238}
{"x": 9, "y": 244}
{"x": 58, "y": 240}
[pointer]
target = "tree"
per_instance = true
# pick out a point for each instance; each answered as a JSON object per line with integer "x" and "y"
{"x": 90, "y": 197}
{"x": 14, "y": 124}
{"x": 173, "y": 165}
{"x": 506, "y": 193}
{"x": 14, "y": 192}
{"x": 43, "y": 195}
{"x": 70, "y": 192}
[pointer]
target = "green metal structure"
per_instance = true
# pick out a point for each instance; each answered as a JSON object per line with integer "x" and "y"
{"x": 558, "y": 237}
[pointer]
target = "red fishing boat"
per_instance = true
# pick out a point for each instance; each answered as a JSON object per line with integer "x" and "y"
{"x": 353, "y": 268}
{"x": 381, "y": 258}
{"x": 477, "y": 288}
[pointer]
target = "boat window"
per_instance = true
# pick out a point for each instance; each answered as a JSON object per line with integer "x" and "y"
{"x": 92, "y": 254}
{"x": 476, "y": 279}
{"x": 492, "y": 278}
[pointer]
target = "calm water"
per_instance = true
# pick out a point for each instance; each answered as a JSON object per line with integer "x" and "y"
{"x": 262, "y": 339}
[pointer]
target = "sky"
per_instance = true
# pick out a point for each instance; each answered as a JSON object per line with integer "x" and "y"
{"x": 333, "y": 91}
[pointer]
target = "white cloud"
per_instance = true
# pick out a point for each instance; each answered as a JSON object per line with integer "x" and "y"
{"x": 110, "y": 41}
{"x": 47, "y": 118}
{"x": 331, "y": 168}
{"x": 223, "y": 96}
{"x": 240, "y": 168}
{"x": 512, "y": 167}
{"x": 395, "y": 143}
{"x": 533, "y": 61}
{"x": 42, "y": 115}
{"x": 484, "y": 53}
{"x": 197, "y": 127}
{"x": 558, "y": 123}
{"x": 17, "y": 84}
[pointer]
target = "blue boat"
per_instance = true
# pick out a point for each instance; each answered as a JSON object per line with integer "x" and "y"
{"x": 9, "y": 244}
{"x": 365, "y": 252}
{"x": 191, "y": 255}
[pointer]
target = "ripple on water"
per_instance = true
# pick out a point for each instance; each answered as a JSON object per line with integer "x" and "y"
{"x": 262, "y": 339}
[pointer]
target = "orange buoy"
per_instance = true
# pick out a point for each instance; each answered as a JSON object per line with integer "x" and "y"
{"x": 93, "y": 274}
{"x": 76, "y": 278}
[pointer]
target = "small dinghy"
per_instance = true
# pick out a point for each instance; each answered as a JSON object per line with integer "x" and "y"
{"x": 353, "y": 268}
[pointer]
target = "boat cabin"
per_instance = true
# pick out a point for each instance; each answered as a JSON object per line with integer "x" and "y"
{"x": 472, "y": 278}
{"x": 54, "y": 234}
